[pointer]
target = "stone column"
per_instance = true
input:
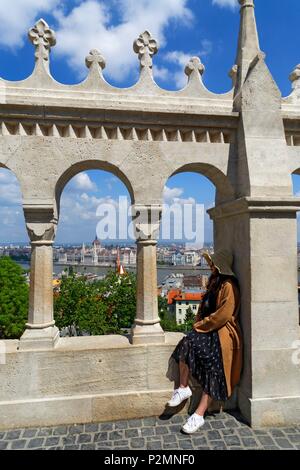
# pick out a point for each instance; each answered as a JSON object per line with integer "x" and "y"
{"x": 146, "y": 328}
{"x": 261, "y": 232}
{"x": 40, "y": 332}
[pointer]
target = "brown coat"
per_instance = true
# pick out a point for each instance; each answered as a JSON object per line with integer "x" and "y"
{"x": 224, "y": 320}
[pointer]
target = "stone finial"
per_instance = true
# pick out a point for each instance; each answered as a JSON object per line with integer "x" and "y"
{"x": 43, "y": 38}
{"x": 95, "y": 58}
{"x": 233, "y": 74}
{"x": 146, "y": 47}
{"x": 295, "y": 77}
{"x": 195, "y": 65}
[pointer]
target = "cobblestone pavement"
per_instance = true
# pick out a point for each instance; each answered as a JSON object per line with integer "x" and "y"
{"x": 221, "y": 431}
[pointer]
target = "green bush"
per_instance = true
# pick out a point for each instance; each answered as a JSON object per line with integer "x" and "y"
{"x": 14, "y": 299}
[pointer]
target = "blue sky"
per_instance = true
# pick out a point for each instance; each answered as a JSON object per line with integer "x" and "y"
{"x": 184, "y": 28}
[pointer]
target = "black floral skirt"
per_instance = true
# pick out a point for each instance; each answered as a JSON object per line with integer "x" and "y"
{"x": 203, "y": 355}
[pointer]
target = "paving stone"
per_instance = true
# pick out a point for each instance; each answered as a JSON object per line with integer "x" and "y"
{"x": 199, "y": 441}
{"x": 121, "y": 425}
{"x": 295, "y": 439}
{"x": 232, "y": 440}
{"x": 167, "y": 438}
{"x": 228, "y": 432}
{"x": 145, "y": 432}
{"x": 88, "y": 447}
{"x": 52, "y": 441}
{"x": 249, "y": 442}
{"x": 171, "y": 446}
{"x": 265, "y": 440}
{"x": 213, "y": 435}
{"x": 160, "y": 430}
{"x": 154, "y": 445}
{"x": 137, "y": 443}
{"x": 217, "y": 424}
{"x": 149, "y": 421}
{"x": 101, "y": 436}
{"x": 135, "y": 423}
{"x": 106, "y": 426}
{"x": 283, "y": 443}
{"x": 29, "y": 432}
{"x": 92, "y": 427}
{"x": 115, "y": 435}
{"x": 69, "y": 440}
{"x": 185, "y": 444}
{"x": 45, "y": 432}
{"x": 244, "y": 432}
{"x": 131, "y": 433}
{"x": 60, "y": 430}
{"x": 76, "y": 429}
{"x": 276, "y": 433}
{"x": 18, "y": 444}
{"x": 84, "y": 438}
{"x": 12, "y": 435}
{"x": 222, "y": 432}
{"x": 36, "y": 442}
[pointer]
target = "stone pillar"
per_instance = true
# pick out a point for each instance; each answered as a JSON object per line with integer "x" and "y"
{"x": 146, "y": 328}
{"x": 261, "y": 232}
{"x": 41, "y": 332}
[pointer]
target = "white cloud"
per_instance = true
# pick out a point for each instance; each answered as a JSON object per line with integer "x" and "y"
{"x": 171, "y": 193}
{"x": 226, "y": 3}
{"x": 19, "y": 15}
{"x": 10, "y": 192}
{"x": 90, "y": 25}
{"x": 83, "y": 182}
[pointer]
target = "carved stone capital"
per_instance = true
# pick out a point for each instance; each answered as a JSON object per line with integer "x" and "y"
{"x": 43, "y": 38}
{"x": 146, "y": 221}
{"x": 41, "y": 223}
{"x": 146, "y": 47}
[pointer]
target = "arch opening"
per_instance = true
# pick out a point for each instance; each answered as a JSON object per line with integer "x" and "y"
{"x": 94, "y": 260}
{"x": 182, "y": 272}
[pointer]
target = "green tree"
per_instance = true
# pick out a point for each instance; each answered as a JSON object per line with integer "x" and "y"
{"x": 189, "y": 319}
{"x": 79, "y": 305}
{"x": 119, "y": 295}
{"x": 14, "y": 299}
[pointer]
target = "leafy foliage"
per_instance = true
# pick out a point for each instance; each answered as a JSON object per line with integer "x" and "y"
{"x": 98, "y": 308}
{"x": 14, "y": 299}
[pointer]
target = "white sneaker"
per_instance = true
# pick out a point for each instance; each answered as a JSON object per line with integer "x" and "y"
{"x": 193, "y": 424}
{"x": 179, "y": 395}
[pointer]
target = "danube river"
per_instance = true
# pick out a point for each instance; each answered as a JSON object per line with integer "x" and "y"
{"x": 162, "y": 271}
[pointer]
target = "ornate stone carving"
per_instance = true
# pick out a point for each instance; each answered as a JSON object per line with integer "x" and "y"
{"x": 43, "y": 38}
{"x": 41, "y": 223}
{"x": 295, "y": 77}
{"x": 146, "y": 221}
{"x": 146, "y": 47}
{"x": 233, "y": 74}
{"x": 194, "y": 66}
{"x": 95, "y": 58}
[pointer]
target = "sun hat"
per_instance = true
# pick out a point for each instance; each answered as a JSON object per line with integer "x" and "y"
{"x": 223, "y": 260}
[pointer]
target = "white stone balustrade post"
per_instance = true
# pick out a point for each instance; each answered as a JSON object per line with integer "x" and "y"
{"x": 146, "y": 328}
{"x": 40, "y": 332}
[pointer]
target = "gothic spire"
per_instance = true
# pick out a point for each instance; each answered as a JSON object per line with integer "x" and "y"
{"x": 248, "y": 45}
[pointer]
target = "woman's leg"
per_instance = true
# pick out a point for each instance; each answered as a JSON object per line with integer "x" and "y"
{"x": 204, "y": 404}
{"x": 184, "y": 374}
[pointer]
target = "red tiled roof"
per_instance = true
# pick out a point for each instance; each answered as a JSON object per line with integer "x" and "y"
{"x": 177, "y": 294}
